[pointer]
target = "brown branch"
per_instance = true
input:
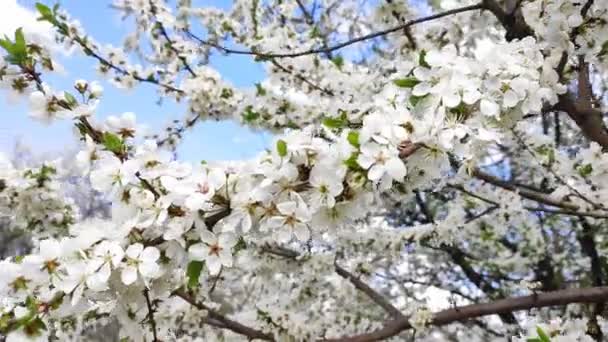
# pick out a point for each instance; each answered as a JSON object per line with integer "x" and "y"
{"x": 151, "y": 319}
{"x": 530, "y": 208}
{"x": 371, "y": 293}
{"x": 406, "y": 31}
{"x": 307, "y": 15}
{"x": 342, "y": 272}
{"x": 225, "y": 322}
{"x": 338, "y": 46}
{"x": 523, "y": 192}
{"x": 508, "y": 305}
{"x": 302, "y": 78}
{"x": 513, "y": 22}
{"x": 589, "y": 120}
{"x": 172, "y": 47}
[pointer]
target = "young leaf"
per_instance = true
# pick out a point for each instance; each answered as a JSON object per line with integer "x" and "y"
{"x": 408, "y": 82}
{"x": 112, "y": 142}
{"x": 422, "y": 59}
{"x": 282, "y": 148}
{"x": 353, "y": 138}
{"x": 338, "y": 61}
{"x": 194, "y": 272}
{"x": 333, "y": 123}
{"x": 542, "y": 335}
{"x": 70, "y": 98}
{"x": 250, "y": 115}
{"x": 44, "y": 10}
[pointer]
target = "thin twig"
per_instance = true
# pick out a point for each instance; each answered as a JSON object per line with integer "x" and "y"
{"x": 339, "y": 45}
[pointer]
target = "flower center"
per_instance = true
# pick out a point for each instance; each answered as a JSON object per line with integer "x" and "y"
{"x": 215, "y": 249}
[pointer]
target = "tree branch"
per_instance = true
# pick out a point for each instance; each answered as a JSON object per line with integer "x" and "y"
{"x": 225, "y": 322}
{"x": 371, "y": 293}
{"x": 151, "y": 319}
{"x": 338, "y": 46}
{"x": 508, "y": 305}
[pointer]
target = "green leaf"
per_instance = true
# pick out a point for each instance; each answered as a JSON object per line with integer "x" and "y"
{"x": 353, "y": 138}
{"x": 585, "y": 170}
{"x": 334, "y": 122}
{"x": 533, "y": 340}
{"x": 352, "y": 163}
{"x": 338, "y": 61}
{"x": 542, "y": 335}
{"x": 250, "y": 115}
{"x": 604, "y": 50}
{"x": 408, "y": 82}
{"x": 17, "y": 50}
{"x": 414, "y": 100}
{"x": 194, "y": 272}
{"x": 20, "y": 40}
{"x": 112, "y": 142}
{"x": 44, "y": 10}
{"x": 70, "y": 98}
{"x": 282, "y": 148}
{"x": 7, "y": 45}
{"x": 240, "y": 245}
{"x": 422, "y": 59}
{"x": 226, "y": 93}
{"x": 259, "y": 90}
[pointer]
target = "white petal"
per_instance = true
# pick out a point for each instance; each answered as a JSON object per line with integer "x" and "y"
{"x": 77, "y": 294}
{"x": 149, "y": 269}
{"x": 471, "y": 96}
{"x": 208, "y": 237}
{"x": 396, "y": 169}
{"x": 213, "y": 264}
{"x": 283, "y": 235}
{"x": 421, "y": 89}
{"x": 489, "y": 108}
{"x": 134, "y": 250}
{"x": 195, "y": 201}
{"x": 301, "y": 232}
{"x": 510, "y": 99}
{"x": 128, "y": 275}
{"x": 198, "y": 251}
{"x": 287, "y": 208}
{"x": 227, "y": 240}
{"x": 226, "y": 257}
{"x": 451, "y": 99}
{"x": 150, "y": 254}
{"x": 375, "y": 172}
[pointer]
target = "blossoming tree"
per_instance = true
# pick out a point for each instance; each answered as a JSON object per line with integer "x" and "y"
{"x": 453, "y": 149}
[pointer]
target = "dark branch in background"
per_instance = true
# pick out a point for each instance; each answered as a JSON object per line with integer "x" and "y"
{"x": 580, "y": 109}
{"x": 339, "y": 45}
{"x": 371, "y": 293}
{"x": 225, "y": 322}
{"x": 458, "y": 257}
{"x": 568, "y": 212}
{"x": 307, "y": 15}
{"x": 502, "y": 306}
{"x": 406, "y": 31}
{"x": 88, "y": 51}
{"x": 342, "y": 272}
{"x": 586, "y": 239}
{"x": 302, "y": 78}
{"x": 513, "y": 22}
{"x": 151, "y": 319}
{"x": 175, "y": 50}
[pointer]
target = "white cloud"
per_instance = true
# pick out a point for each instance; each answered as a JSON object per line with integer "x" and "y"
{"x": 14, "y": 16}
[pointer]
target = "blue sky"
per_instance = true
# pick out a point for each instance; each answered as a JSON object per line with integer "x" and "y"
{"x": 209, "y": 141}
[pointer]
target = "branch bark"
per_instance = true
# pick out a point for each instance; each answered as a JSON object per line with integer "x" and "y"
{"x": 508, "y": 305}
{"x": 371, "y": 293}
{"x": 226, "y": 323}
